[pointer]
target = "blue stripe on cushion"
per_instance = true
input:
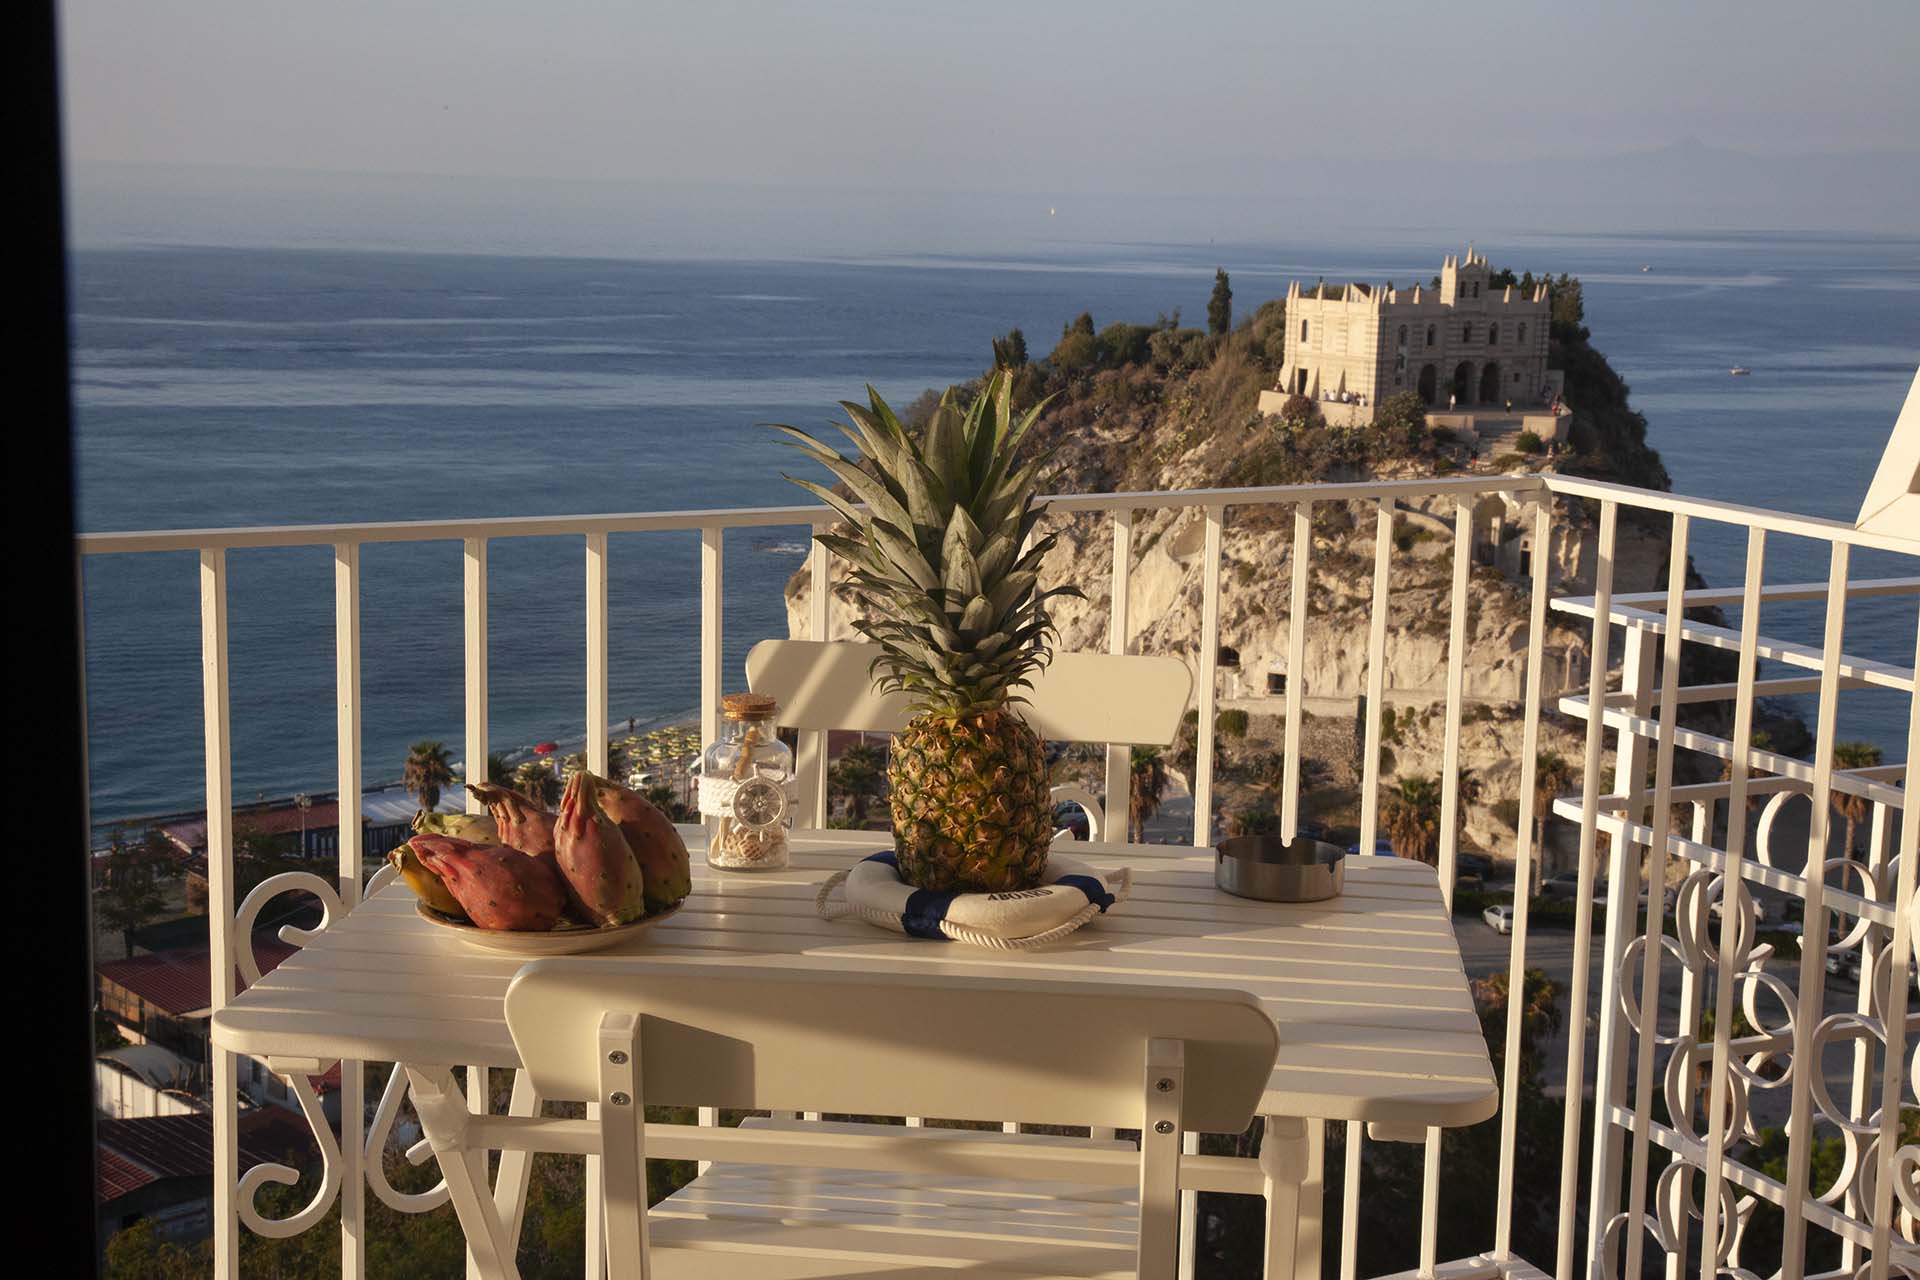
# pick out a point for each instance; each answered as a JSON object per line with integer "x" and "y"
{"x": 925, "y": 909}
{"x": 887, "y": 857}
{"x": 1096, "y": 892}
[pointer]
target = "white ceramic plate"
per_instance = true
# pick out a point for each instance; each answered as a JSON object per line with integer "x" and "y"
{"x": 569, "y": 941}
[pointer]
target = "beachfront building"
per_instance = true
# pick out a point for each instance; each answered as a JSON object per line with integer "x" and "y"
{"x": 1463, "y": 346}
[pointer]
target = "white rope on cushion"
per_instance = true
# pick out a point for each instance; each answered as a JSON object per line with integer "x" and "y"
{"x": 1016, "y": 921}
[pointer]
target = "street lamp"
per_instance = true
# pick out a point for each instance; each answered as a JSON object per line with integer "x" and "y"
{"x": 303, "y": 802}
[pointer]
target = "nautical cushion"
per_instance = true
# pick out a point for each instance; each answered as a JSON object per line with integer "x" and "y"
{"x": 1069, "y": 894}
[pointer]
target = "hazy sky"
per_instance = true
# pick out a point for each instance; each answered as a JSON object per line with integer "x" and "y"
{"x": 1406, "y": 111}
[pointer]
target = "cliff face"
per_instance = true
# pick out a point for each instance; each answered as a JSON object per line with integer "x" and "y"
{"x": 1188, "y": 422}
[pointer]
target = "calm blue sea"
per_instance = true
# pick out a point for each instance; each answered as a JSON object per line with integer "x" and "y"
{"x": 232, "y": 387}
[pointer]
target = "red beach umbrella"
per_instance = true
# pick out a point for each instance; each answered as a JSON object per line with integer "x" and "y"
{"x": 546, "y": 748}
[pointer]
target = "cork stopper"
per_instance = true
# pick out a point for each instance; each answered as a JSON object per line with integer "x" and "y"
{"x": 748, "y": 706}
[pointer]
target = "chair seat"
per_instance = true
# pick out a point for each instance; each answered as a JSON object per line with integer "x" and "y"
{"x": 783, "y": 1223}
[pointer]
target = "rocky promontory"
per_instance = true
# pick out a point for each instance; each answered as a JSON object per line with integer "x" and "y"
{"x": 1146, "y": 408}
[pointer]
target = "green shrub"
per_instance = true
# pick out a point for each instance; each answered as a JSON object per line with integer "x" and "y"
{"x": 1528, "y": 442}
{"x": 1232, "y": 722}
{"x": 1077, "y": 351}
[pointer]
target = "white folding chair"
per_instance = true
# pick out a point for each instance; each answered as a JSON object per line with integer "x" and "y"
{"x": 628, "y": 1032}
{"x": 1080, "y": 697}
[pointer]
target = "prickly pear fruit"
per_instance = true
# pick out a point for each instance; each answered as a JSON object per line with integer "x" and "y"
{"x": 497, "y": 887}
{"x": 425, "y": 885}
{"x": 656, "y": 845}
{"x": 608, "y": 887}
{"x": 521, "y": 823}
{"x": 477, "y": 827}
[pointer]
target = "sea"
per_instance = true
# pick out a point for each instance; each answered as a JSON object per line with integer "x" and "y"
{"x": 225, "y": 386}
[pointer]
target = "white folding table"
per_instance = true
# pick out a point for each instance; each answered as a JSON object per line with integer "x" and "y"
{"x": 1367, "y": 989}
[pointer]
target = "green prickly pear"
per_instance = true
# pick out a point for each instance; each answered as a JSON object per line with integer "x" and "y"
{"x": 656, "y": 845}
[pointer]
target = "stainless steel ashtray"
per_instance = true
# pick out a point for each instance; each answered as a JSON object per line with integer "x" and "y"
{"x": 1275, "y": 870}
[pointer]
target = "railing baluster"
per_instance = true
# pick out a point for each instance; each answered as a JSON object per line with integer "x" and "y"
{"x": 1297, "y": 607}
{"x": 1456, "y": 688}
{"x": 1602, "y": 637}
{"x": 346, "y": 687}
{"x": 1723, "y": 1010}
{"x": 1892, "y": 1079}
{"x": 1524, "y": 856}
{"x": 597, "y": 749}
{"x": 812, "y": 763}
{"x": 476, "y": 666}
{"x": 1813, "y": 933}
{"x": 1119, "y": 799}
{"x": 1623, "y": 879}
{"x": 711, "y": 580}
{"x": 1880, "y": 842}
{"x": 1652, "y": 938}
{"x": 1209, "y": 670}
{"x": 219, "y": 763}
{"x": 1376, "y": 679}
{"x": 710, "y": 652}
{"x": 1350, "y": 1201}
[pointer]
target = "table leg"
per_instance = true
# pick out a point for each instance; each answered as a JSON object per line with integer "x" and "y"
{"x": 444, "y": 1116}
{"x": 1292, "y": 1162}
{"x": 510, "y": 1186}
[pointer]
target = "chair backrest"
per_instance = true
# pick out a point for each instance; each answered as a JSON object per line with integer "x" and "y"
{"x": 966, "y": 1047}
{"x": 1079, "y": 697}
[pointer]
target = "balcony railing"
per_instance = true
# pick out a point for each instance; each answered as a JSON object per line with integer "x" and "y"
{"x": 1664, "y": 1105}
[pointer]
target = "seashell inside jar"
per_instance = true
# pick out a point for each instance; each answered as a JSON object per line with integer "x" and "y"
{"x": 746, "y": 787}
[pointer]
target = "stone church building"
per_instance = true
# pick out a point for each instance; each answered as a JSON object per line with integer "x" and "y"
{"x": 1465, "y": 345}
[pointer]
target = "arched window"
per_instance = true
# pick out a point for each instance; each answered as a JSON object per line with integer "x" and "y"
{"x": 1431, "y": 334}
{"x": 1403, "y": 337}
{"x": 1523, "y": 332}
{"x": 1303, "y": 331}
{"x": 1476, "y": 290}
{"x": 1466, "y": 332}
{"x": 1493, "y": 335}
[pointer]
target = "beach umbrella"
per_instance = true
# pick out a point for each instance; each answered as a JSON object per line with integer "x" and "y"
{"x": 546, "y": 748}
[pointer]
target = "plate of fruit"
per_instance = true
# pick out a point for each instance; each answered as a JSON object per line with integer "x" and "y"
{"x": 521, "y": 880}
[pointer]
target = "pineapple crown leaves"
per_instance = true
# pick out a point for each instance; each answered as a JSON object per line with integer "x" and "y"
{"x": 936, "y": 527}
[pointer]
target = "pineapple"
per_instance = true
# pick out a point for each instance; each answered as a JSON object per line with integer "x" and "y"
{"x": 954, "y": 604}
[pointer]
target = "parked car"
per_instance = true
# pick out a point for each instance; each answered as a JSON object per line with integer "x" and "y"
{"x": 1381, "y": 846}
{"x": 1564, "y": 885}
{"x": 1844, "y": 964}
{"x": 1499, "y": 917}
{"x": 1474, "y": 868}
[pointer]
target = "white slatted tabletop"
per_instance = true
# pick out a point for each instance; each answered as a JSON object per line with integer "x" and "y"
{"x": 1367, "y": 989}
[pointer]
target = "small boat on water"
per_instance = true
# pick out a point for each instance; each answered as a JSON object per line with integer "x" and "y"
{"x": 1739, "y": 371}
{"x": 1646, "y": 268}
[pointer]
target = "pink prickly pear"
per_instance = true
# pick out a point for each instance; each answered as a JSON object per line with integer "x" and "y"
{"x": 656, "y": 846}
{"x": 595, "y": 859}
{"x": 522, "y": 823}
{"x": 496, "y": 886}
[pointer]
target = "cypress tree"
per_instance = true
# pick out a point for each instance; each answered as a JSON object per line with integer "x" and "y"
{"x": 1220, "y": 305}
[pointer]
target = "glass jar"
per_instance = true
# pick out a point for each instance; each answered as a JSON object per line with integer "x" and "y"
{"x": 747, "y": 787}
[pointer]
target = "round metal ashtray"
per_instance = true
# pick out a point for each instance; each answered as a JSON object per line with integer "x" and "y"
{"x": 1275, "y": 870}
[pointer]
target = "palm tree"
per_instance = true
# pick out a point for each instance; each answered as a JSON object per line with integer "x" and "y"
{"x": 1146, "y": 788}
{"x": 1540, "y": 1016}
{"x": 537, "y": 782}
{"x": 428, "y": 772}
{"x": 1552, "y": 774}
{"x": 497, "y": 770}
{"x": 859, "y": 772}
{"x": 1411, "y": 817}
{"x": 1468, "y": 791}
{"x": 1852, "y": 755}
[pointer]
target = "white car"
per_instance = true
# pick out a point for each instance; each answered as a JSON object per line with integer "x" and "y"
{"x": 1499, "y": 917}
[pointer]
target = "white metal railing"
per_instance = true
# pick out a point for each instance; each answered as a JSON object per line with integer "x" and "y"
{"x": 1634, "y": 815}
